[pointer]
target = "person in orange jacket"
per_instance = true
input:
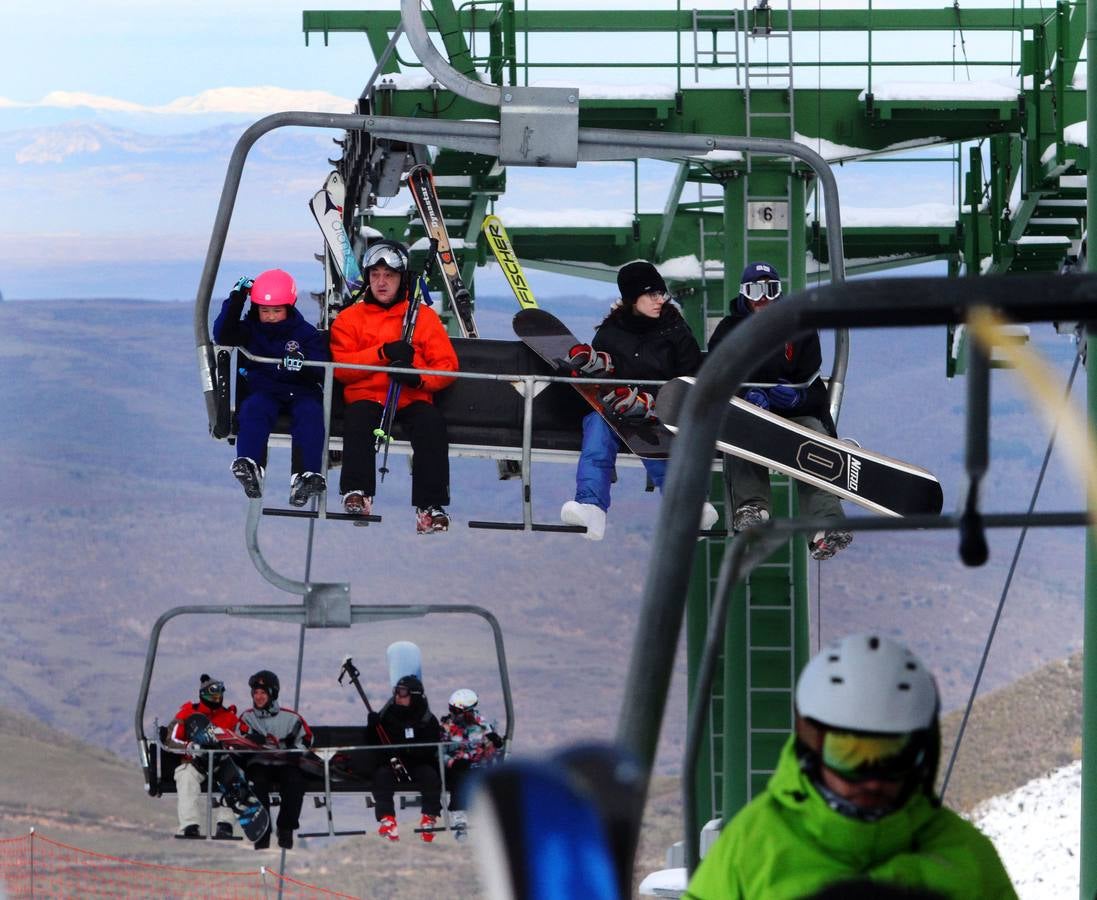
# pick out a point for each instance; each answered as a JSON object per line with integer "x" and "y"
{"x": 370, "y": 332}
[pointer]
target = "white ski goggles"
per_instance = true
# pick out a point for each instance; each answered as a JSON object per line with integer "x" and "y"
{"x": 387, "y": 254}
{"x": 756, "y": 290}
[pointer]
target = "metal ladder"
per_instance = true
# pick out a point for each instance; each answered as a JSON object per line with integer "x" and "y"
{"x": 766, "y": 211}
{"x": 714, "y": 22}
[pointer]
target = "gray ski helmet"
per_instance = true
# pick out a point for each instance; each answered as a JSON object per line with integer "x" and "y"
{"x": 391, "y": 253}
{"x": 267, "y": 680}
{"x": 210, "y": 690}
{"x": 864, "y": 682}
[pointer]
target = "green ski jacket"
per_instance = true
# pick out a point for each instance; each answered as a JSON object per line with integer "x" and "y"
{"x": 787, "y": 843}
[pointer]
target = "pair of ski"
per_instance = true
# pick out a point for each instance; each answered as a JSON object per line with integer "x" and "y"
{"x": 327, "y": 208}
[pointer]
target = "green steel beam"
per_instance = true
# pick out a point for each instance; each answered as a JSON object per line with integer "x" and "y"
{"x": 641, "y": 20}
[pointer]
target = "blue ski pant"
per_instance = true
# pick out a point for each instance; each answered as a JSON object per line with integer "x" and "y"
{"x": 597, "y": 459}
{"x": 258, "y": 414}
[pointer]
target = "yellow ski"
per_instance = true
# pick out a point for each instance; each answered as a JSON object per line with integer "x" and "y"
{"x": 508, "y": 261}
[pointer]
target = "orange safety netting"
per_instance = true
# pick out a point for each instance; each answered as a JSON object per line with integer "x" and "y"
{"x": 34, "y": 866}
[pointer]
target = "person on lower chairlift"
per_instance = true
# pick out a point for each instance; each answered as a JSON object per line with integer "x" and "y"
{"x": 795, "y": 391}
{"x": 644, "y": 337}
{"x": 406, "y": 719}
{"x": 191, "y": 773}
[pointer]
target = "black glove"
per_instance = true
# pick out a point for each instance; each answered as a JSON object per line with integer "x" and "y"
{"x": 410, "y": 379}
{"x": 373, "y": 720}
{"x": 398, "y": 353}
{"x": 494, "y": 739}
{"x": 399, "y": 770}
{"x": 291, "y": 362}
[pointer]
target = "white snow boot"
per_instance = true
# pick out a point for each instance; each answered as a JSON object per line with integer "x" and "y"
{"x": 585, "y": 514}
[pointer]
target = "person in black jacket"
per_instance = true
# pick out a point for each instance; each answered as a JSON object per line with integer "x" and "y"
{"x": 274, "y": 328}
{"x": 644, "y": 337}
{"x": 787, "y": 384}
{"x": 406, "y": 719}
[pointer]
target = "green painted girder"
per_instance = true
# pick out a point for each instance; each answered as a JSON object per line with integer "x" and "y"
{"x": 865, "y": 242}
{"x": 640, "y": 20}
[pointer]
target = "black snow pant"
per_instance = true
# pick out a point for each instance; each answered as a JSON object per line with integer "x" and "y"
{"x": 290, "y": 782}
{"x": 426, "y": 777}
{"x": 426, "y": 429}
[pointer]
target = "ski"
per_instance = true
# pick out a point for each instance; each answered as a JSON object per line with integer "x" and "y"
{"x": 499, "y": 242}
{"x": 421, "y": 185}
{"x": 327, "y": 207}
{"x": 876, "y": 482}
{"x": 550, "y": 339}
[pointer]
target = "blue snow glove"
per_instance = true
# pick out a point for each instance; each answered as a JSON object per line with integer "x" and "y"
{"x": 398, "y": 352}
{"x": 758, "y": 397}
{"x": 291, "y": 362}
{"x": 785, "y": 397}
{"x": 243, "y": 284}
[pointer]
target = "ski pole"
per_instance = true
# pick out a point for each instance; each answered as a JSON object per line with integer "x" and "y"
{"x": 383, "y": 433}
{"x": 349, "y": 669}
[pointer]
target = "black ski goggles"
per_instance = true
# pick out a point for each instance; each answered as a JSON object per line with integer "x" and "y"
{"x": 857, "y": 757}
{"x": 755, "y": 291}
{"x": 214, "y": 687}
{"x": 387, "y": 254}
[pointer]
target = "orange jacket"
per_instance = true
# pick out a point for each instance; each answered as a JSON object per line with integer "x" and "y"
{"x": 360, "y": 330}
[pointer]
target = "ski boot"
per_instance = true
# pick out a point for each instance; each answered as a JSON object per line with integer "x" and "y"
{"x": 388, "y": 828}
{"x": 426, "y": 828}
{"x": 460, "y": 823}
{"x": 355, "y": 503}
{"x": 429, "y": 519}
{"x": 191, "y": 832}
{"x": 747, "y": 516}
{"x": 305, "y": 486}
{"x": 224, "y": 832}
{"x": 587, "y": 515}
{"x": 826, "y": 543}
{"x": 250, "y": 474}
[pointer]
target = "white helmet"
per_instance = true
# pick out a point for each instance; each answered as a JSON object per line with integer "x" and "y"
{"x": 462, "y": 700}
{"x": 867, "y": 683}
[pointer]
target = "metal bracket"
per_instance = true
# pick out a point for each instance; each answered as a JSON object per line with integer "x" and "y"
{"x": 539, "y": 127}
{"x": 327, "y": 606}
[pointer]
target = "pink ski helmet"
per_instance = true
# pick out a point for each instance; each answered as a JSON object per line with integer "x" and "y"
{"x": 274, "y": 287}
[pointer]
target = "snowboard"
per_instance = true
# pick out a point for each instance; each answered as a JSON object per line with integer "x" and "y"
{"x": 236, "y": 791}
{"x": 329, "y": 216}
{"x": 421, "y": 185}
{"x": 404, "y": 658}
{"x": 550, "y": 339}
{"x": 872, "y": 480}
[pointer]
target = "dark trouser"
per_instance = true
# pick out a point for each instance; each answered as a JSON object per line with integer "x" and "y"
{"x": 290, "y": 782}
{"x": 426, "y": 429}
{"x": 748, "y": 482}
{"x": 427, "y": 779}
{"x": 457, "y": 779}
{"x": 258, "y": 415}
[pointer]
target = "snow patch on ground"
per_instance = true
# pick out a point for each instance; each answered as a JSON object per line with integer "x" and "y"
{"x": 1037, "y": 830}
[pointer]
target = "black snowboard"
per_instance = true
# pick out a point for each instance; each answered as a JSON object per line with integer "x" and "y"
{"x": 236, "y": 791}
{"x": 550, "y": 339}
{"x": 871, "y": 480}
